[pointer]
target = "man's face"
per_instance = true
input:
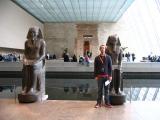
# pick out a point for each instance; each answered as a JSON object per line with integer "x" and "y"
{"x": 102, "y": 49}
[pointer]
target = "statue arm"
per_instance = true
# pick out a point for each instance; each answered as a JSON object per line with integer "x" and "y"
{"x": 120, "y": 58}
{"x": 42, "y": 51}
{"x": 95, "y": 68}
{"x": 109, "y": 67}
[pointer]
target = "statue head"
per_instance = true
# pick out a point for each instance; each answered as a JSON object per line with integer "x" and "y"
{"x": 34, "y": 32}
{"x": 113, "y": 42}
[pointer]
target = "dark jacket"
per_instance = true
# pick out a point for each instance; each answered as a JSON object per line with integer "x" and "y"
{"x": 106, "y": 65}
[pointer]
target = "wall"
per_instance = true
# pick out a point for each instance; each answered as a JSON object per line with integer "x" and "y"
{"x": 59, "y": 36}
{"x": 14, "y": 25}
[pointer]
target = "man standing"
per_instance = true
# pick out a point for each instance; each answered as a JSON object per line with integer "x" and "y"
{"x": 102, "y": 73}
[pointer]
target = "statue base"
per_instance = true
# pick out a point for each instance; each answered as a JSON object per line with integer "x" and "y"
{"x": 117, "y": 99}
{"x": 28, "y": 98}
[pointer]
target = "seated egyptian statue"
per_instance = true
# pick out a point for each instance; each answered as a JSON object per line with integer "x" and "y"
{"x": 33, "y": 62}
{"x": 115, "y": 51}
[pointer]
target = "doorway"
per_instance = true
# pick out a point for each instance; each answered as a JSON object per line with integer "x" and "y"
{"x": 86, "y": 47}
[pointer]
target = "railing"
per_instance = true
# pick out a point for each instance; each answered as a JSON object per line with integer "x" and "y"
{"x": 72, "y": 79}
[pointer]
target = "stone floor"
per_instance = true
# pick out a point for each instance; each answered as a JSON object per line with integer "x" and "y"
{"x": 77, "y": 110}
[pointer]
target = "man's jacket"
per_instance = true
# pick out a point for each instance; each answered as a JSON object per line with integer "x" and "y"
{"x": 103, "y": 65}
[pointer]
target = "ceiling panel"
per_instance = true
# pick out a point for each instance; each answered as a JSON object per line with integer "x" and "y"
{"x": 75, "y": 10}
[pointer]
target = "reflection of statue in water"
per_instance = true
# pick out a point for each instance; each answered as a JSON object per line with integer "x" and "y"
{"x": 33, "y": 82}
{"x": 115, "y": 51}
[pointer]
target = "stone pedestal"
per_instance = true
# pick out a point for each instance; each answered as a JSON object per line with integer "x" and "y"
{"x": 30, "y": 98}
{"x": 117, "y": 99}
{"x": 27, "y": 98}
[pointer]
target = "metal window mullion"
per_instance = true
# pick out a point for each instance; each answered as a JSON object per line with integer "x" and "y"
{"x": 26, "y": 2}
{"x": 73, "y": 10}
{"x": 86, "y": 10}
{"x": 80, "y": 9}
{"x": 42, "y": 15}
{"x": 112, "y": 18}
{"x": 99, "y": 10}
{"x": 155, "y": 94}
{"x": 106, "y": 11}
{"x": 145, "y": 95}
{"x": 47, "y": 9}
{"x": 60, "y": 10}
{"x": 51, "y": 7}
{"x": 93, "y": 11}
{"x": 136, "y": 97}
{"x": 67, "y": 10}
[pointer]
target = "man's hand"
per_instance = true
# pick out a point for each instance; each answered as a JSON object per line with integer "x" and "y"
{"x": 110, "y": 78}
{"x": 96, "y": 78}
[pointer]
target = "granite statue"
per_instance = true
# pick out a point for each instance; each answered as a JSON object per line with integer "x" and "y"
{"x": 33, "y": 83}
{"x": 115, "y": 51}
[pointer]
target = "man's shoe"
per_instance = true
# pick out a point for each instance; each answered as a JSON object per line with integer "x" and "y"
{"x": 108, "y": 105}
{"x": 97, "y": 105}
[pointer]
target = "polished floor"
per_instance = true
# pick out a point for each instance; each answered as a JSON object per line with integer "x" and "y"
{"x": 77, "y": 110}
